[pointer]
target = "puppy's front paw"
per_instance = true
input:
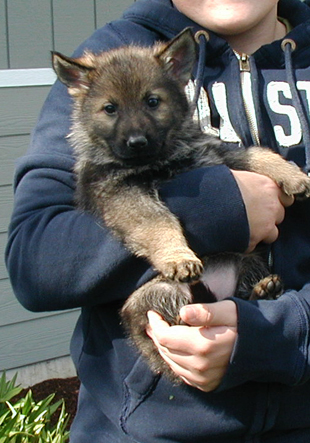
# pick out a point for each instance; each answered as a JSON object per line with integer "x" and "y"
{"x": 297, "y": 184}
{"x": 183, "y": 270}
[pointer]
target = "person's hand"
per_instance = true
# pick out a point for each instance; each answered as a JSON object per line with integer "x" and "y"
{"x": 199, "y": 353}
{"x": 265, "y": 205}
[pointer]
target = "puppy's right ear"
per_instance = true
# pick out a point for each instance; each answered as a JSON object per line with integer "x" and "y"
{"x": 72, "y": 72}
{"x": 179, "y": 56}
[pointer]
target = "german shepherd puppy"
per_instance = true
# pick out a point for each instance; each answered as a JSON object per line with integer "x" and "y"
{"x": 132, "y": 129}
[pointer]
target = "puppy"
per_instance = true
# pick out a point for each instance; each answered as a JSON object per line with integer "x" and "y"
{"x": 132, "y": 130}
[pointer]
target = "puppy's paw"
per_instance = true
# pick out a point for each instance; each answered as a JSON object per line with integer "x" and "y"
{"x": 183, "y": 270}
{"x": 297, "y": 184}
{"x": 269, "y": 288}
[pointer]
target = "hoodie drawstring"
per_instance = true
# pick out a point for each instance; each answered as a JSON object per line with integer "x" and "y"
{"x": 202, "y": 38}
{"x": 288, "y": 46}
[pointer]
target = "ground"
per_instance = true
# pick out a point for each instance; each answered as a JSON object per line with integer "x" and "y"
{"x": 66, "y": 388}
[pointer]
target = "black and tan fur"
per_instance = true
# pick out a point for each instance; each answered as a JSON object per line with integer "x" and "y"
{"x": 132, "y": 129}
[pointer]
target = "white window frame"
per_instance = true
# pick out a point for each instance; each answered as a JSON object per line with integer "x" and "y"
{"x": 16, "y": 78}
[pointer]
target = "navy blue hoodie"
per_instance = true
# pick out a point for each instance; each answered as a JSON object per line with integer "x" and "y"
{"x": 60, "y": 258}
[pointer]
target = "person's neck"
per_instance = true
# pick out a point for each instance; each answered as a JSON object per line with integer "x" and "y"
{"x": 249, "y": 41}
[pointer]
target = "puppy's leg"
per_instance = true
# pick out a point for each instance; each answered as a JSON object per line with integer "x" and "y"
{"x": 167, "y": 297}
{"x": 287, "y": 175}
{"x": 254, "y": 279}
{"x": 150, "y": 230}
{"x": 163, "y": 296}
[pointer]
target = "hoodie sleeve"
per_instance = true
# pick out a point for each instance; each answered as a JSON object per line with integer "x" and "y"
{"x": 273, "y": 341}
{"x": 59, "y": 258}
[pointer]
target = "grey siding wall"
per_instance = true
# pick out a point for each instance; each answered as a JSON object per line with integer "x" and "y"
{"x": 29, "y": 30}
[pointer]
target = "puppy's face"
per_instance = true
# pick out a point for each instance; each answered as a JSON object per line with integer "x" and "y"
{"x": 131, "y": 113}
{"x": 129, "y": 102}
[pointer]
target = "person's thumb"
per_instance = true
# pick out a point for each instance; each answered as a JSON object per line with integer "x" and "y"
{"x": 223, "y": 313}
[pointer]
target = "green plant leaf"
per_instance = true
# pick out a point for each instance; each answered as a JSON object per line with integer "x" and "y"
{"x": 27, "y": 421}
{"x": 8, "y": 390}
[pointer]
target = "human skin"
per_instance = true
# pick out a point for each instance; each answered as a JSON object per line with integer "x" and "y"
{"x": 245, "y": 24}
{"x": 200, "y": 353}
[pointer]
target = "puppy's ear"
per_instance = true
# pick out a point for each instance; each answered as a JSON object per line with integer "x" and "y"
{"x": 72, "y": 72}
{"x": 179, "y": 56}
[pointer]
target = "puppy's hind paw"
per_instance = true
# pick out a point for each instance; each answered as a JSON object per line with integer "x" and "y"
{"x": 269, "y": 288}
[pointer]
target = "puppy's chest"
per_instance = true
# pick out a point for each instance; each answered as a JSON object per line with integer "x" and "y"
{"x": 150, "y": 175}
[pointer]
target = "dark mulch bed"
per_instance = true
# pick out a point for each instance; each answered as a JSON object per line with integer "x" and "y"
{"x": 66, "y": 388}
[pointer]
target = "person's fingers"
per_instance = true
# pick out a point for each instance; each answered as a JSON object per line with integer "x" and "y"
{"x": 198, "y": 354}
{"x": 156, "y": 323}
{"x": 174, "y": 338}
{"x": 270, "y": 238}
{"x": 223, "y": 313}
{"x": 286, "y": 200}
{"x": 265, "y": 205}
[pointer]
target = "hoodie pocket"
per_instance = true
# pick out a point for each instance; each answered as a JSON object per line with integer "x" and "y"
{"x": 137, "y": 387}
{"x": 153, "y": 409}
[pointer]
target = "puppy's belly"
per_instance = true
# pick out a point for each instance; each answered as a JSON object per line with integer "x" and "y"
{"x": 221, "y": 279}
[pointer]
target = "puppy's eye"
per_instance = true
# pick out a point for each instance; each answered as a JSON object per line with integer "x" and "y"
{"x": 110, "y": 109}
{"x": 153, "y": 102}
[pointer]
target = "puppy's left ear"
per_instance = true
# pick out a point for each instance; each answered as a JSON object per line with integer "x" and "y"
{"x": 179, "y": 56}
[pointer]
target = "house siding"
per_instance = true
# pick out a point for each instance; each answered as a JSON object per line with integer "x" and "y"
{"x": 29, "y": 30}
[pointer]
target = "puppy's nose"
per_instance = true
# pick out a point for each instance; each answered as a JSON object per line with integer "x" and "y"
{"x": 137, "y": 141}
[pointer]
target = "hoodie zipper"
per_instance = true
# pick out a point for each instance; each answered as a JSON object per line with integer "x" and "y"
{"x": 246, "y": 88}
{"x": 248, "y": 101}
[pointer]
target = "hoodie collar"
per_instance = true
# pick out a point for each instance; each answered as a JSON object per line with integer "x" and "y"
{"x": 161, "y": 17}
{"x": 272, "y": 56}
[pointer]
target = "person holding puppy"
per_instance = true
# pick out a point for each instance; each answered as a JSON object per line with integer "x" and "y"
{"x": 245, "y": 365}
